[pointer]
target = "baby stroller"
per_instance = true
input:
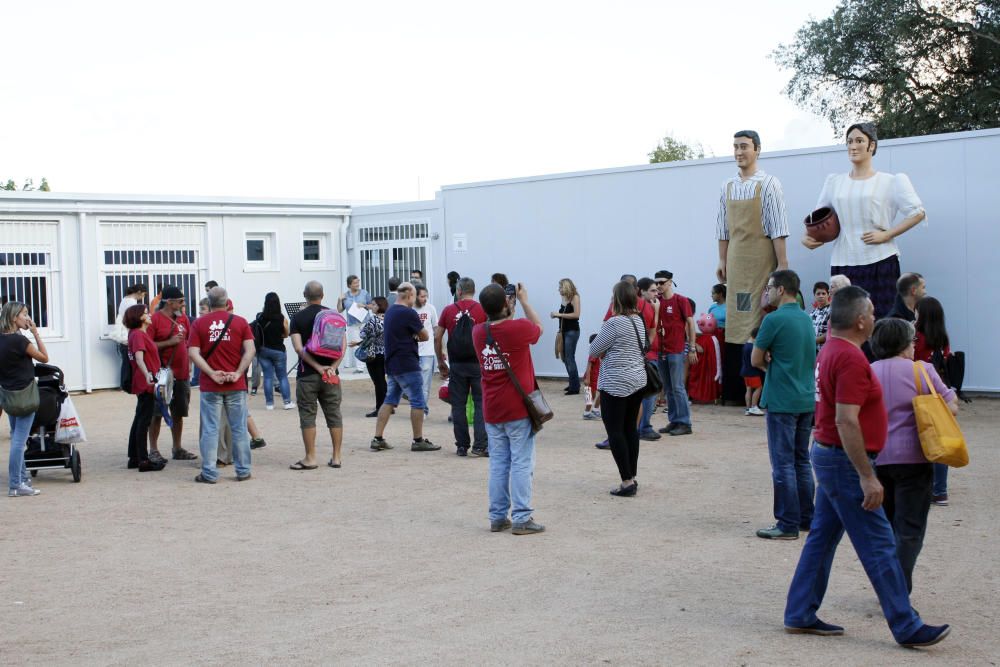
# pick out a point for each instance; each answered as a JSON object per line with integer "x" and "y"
{"x": 42, "y": 451}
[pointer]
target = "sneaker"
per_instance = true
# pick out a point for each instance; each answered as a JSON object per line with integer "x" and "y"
{"x": 590, "y": 416}
{"x": 151, "y": 466}
{"x": 604, "y": 444}
{"x": 462, "y": 451}
{"x": 290, "y": 405}
{"x": 927, "y": 635}
{"x": 373, "y": 413}
{"x": 596, "y": 413}
{"x": 378, "y": 444}
{"x": 499, "y": 525}
{"x": 243, "y": 478}
{"x": 481, "y": 452}
{"x": 201, "y": 479}
{"x": 746, "y": 412}
{"x": 940, "y": 501}
{"x": 269, "y": 407}
{"x": 680, "y": 429}
{"x": 529, "y": 527}
{"x": 755, "y": 411}
{"x": 818, "y": 628}
{"x": 23, "y": 490}
{"x": 423, "y": 445}
{"x": 257, "y": 443}
{"x": 649, "y": 435}
{"x": 253, "y": 392}
{"x": 775, "y": 533}
{"x": 668, "y": 428}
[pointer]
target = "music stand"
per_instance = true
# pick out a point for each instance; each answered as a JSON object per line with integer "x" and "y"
{"x": 292, "y": 309}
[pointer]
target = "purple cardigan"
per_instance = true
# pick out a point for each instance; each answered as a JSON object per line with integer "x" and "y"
{"x": 898, "y": 390}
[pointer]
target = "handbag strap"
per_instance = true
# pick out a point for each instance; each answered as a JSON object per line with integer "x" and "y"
{"x": 219, "y": 339}
{"x": 173, "y": 350}
{"x": 916, "y": 378}
{"x": 643, "y": 349}
{"x": 513, "y": 378}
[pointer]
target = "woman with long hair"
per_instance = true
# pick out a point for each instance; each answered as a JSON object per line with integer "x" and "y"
{"x": 621, "y": 344}
{"x": 867, "y": 203}
{"x": 932, "y": 345}
{"x": 372, "y": 337}
{"x": 273, "y": 359}
{"x": 17, "y": 373}
{"x": 569, "y": 331}
{"x": 145, "y": 359}
{"x": 906, "y": 475}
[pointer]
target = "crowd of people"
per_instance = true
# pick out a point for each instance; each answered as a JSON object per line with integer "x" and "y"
{"x": 834, "y": 382}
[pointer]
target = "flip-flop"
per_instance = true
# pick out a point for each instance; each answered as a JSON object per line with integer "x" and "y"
{"x": 332, "y": 464}
{"x": 299, "y": 465}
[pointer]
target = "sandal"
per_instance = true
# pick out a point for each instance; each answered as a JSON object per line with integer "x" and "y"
{"x": 299, "y": 465}
{"x": 156, "y": 457}
{"x": 181, "y": 454}
{"x": 332, "y": 464}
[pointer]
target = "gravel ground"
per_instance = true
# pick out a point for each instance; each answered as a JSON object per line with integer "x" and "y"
{"x": 389, "y": 560}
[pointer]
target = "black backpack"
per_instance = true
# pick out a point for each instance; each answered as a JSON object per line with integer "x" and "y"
{"x": 258, "y": 333}
{"x": 460, "y": 345}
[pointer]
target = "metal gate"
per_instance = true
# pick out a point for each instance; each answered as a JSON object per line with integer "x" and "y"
{"x": 387, "y": 250}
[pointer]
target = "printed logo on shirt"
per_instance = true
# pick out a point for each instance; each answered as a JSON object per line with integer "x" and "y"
{"x": 817, "y": 382}
{"x": 214, "y": 329}
{"x": 491, "y": 360}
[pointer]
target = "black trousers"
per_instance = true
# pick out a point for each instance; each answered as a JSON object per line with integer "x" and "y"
{"x": 465, "y": 378}
{"x": 906, "y": 501}
{"x": 620, "y": 415}
{"x": 376, "y": 371}
{"x": 139, "y": 433}
{"x": 733, "y": 389}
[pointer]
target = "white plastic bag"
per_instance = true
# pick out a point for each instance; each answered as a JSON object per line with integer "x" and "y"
{"x": 70, "y": 430}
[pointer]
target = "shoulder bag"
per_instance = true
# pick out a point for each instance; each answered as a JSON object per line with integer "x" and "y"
{"x": 20, "y": 402}
{"x": 940, "y": 436}
{"x": 653, "y": 382}
{"x": 538, "y": 408}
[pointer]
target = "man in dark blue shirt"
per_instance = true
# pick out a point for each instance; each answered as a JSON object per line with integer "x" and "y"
{"x": 403, "y": 330}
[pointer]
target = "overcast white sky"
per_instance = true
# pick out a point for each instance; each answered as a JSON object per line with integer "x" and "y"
{"x": 359, "y": 100}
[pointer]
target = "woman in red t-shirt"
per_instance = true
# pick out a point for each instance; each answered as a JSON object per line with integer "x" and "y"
{"x": 145, "y": 360}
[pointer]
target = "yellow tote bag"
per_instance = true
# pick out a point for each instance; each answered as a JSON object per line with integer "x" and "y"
{"x": 940, "y": 437}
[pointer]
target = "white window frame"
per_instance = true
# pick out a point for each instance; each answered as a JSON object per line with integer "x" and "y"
{"x": 51, "y": 271}
{"x": 270, "y": 261}
{"x": 325, "y": 261}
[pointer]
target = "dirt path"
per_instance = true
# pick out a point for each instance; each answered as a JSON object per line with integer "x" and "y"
{"x": 389, "y": 559}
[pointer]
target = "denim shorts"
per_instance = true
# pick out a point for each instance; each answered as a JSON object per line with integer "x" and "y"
{"x": 412, "y": 384}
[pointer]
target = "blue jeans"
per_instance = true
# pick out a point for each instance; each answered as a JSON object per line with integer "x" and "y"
{"x": 671, "y": 368}
{"x": 232, "y": 404}
{"x": 427, "y": 372}
{"x": 788, "y": 447}
{"x": 512, "y": 465}
{"x": 940, "y": 480}
{"x": 648, "y": 405}
{"x": 838, "y": 508}
{"x": 412, "y": 383}
{"x": 570, "y": 339}
{"x": 274, "y": 364}
{"x": 17, "y": 471}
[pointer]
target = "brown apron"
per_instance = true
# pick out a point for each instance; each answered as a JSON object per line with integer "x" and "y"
{"x": 749, "y": 263}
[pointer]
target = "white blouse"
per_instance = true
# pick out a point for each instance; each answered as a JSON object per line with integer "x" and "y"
{"x": 864, "y": 206}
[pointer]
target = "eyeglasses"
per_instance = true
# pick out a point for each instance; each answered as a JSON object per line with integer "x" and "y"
{"x": 661, "y": 282}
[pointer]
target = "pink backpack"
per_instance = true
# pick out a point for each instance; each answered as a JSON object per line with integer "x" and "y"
{"x": 328, "y": 335}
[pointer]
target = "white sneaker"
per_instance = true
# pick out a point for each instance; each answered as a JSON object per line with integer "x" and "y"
{"x": 290, "y": 406}
{"x": 755, "y": 411}
{"x": 590, "y": 416}
{"x": 269, "y": 407}
{"x": 23, "y": 490}
{"x": 596, "y": 413}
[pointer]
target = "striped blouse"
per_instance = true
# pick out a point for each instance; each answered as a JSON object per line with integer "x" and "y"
{"x": 623, "y": 369}
{"x": 774, "y": 218}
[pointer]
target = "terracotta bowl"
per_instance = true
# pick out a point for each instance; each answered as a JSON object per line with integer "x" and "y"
{"x": 823, "y": 225}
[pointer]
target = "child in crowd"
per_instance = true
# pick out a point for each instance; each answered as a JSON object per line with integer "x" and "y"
{"x": 592, "y": 407}
{"x": 718, "y": 307}
{"x": 821, "y": 312}
{"x": 753, "y": 378}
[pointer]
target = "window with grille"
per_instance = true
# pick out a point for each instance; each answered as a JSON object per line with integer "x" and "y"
{"x": 29, "y": 269}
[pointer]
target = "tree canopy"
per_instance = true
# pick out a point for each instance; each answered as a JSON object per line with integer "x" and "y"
{"x": 914, "y": 67}
{"x": 671, "y": 150}
{"x": 29, "y": 184}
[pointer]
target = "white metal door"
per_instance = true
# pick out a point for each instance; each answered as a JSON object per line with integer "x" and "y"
{"x": 393, "y": 249}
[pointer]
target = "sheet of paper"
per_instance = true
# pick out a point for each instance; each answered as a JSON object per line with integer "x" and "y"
{"x": 357, "y": 312}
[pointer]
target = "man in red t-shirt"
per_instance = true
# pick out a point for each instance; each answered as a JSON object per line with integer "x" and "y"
{"x": 221, "y": 345}
{"x": 851, "y": 429}
{"x": 461, "y": 366}
{"x": 676, "y": 330}
{"x": 169, "y": 330}
{"x": 505, "y": 343}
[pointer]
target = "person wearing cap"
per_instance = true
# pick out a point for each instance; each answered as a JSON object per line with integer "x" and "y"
{"x": 169, "y": 330}
{"x": 751, "y": 228}
{"x": 675, "y": 332}
{"x": 867, "y": 202}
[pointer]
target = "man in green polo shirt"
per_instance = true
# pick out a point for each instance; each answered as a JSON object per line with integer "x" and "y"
{"x": 785, "y": 348}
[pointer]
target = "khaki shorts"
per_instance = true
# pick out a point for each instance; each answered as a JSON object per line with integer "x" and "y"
{"x": 311, "y": 389}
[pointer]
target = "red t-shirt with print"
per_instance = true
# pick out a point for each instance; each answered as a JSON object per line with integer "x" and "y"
{"x": 843, "y": 375}
{"x": 227, "y": 354}
{"x": 674, "y": 313}
{"x": 164, "y": 328}
{"x": 514, "y": 338}
{"x": 139, "y": 341}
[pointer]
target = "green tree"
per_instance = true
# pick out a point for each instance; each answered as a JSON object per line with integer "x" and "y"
{"x": 913, "y": 67}
{"x": 671, "y": 149}
{"x": 44, "y": 186}
{"x": 10, "y": 185}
